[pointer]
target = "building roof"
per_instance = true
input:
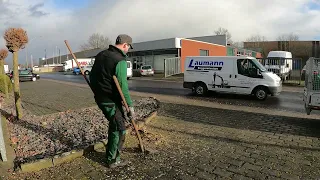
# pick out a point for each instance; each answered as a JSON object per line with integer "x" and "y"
{"x": 169, "y": 43}
{"x": 81, "y": 54}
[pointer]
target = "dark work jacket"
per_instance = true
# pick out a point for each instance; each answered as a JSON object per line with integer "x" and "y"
{"x": 101, "y": 75}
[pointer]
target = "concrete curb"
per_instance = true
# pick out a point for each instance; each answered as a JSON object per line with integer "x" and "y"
{"x": 69, "y": 156}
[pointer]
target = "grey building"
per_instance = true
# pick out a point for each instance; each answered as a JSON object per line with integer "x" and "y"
{"x": 149, "y": 52}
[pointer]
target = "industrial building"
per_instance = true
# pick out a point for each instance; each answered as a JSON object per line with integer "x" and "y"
{"x": 155, "y": 52}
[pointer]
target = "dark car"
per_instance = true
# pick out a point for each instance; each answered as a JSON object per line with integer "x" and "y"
{"x": 25, "y": 75}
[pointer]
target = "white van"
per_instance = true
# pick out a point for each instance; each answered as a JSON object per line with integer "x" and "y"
{"x": 230, "y": 74}
{"x": 279, "y": 62}
{"x": 129, "y": 70}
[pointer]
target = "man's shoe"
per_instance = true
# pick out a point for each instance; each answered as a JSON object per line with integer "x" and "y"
{"x": 118, "y": 164}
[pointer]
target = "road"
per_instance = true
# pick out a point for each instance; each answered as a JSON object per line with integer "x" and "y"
{"x": 287, "y": 101}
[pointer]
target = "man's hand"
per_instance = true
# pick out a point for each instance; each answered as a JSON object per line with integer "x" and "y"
{"x": 131, "y": 113}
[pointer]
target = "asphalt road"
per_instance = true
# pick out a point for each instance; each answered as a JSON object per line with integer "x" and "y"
{"x": 286, "y": 101}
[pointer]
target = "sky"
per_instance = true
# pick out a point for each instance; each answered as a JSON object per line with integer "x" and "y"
{"x": 49, "y": 22}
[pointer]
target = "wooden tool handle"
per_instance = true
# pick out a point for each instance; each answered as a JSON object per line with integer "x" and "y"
{"x": 128, "y": 110}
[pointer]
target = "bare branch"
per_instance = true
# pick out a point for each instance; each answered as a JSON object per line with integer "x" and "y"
{"x": 238, "y": 44}
{"x": 258, "y": 43}
{"x": 96, "y": 40}
{"x": 223, "y": 31}
{"x": 288, "y": 37}
{"x": 256, "y": 38}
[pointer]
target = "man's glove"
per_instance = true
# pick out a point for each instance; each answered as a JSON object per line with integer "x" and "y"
{"x": 131, "y": 113}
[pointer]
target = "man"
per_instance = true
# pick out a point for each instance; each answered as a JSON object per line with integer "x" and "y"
{"x": 108, "y": 63}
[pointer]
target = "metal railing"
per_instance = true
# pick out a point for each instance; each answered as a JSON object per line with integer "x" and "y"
{"x": 290, "y": 70}
{"x": 2, "y": 143}
{"x": 172, "y": 66}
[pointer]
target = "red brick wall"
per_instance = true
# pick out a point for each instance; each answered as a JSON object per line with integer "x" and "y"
{"x": 192, "y": 48}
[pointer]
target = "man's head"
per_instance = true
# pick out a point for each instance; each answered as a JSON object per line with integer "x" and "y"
{"x": 124, "y": 42}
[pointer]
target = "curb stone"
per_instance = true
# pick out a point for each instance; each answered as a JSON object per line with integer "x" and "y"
{"x": 69, "y": 156}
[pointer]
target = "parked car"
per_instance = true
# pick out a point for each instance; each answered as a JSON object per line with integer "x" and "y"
{"x": 129, "y": 70}
{"x": 87, "y": 69}
{"x": 76, "y": 71}
{"x": 146, "y": 70}
{"x": 25, "y": 75}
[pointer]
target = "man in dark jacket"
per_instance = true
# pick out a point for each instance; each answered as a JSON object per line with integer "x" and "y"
{"x": 108, "y": 63}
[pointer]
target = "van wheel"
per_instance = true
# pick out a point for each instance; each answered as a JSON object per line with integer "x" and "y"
{"x": 128, "y": 78}
{"x": 86, "y": 73}
{"x": 34, "y": 79}
{"x": 261, "y": 93}
{"x": 308, "y": 110}
{"x": 200, "y": 89}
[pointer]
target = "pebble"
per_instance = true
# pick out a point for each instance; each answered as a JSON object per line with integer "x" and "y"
{"x": 62, "y": 132}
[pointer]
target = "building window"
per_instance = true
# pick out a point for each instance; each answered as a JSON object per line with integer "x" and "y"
{"x": 204, "y": 52}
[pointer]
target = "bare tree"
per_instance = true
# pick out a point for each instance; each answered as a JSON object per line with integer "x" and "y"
{"x": 16, "y": 39}
{"x": 238, "y": 44}
{"x": 96, "y": 40}
{"x": 288, "y": 37}
{"x": 288, "y": 42}
{"x": 223, "y": 31}
{"x": 257, "y": 43}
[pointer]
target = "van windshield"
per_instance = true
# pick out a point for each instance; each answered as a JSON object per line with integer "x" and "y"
{"x": 259, "y": 65}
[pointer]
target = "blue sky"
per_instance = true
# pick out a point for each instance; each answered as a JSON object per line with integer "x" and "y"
{"x": 314, "y": 5}
{"x": 71, "y": 3}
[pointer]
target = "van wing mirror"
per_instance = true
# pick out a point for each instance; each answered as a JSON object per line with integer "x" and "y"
{"x": 258, "y": 72}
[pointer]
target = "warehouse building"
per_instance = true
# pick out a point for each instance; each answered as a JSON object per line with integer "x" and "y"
{"x": 155, "y": 52}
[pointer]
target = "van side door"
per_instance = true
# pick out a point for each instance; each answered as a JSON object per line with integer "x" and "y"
{"x": 246, "y": 76}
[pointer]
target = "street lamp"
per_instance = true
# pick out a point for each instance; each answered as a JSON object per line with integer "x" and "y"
{"x": 27, "y": 49}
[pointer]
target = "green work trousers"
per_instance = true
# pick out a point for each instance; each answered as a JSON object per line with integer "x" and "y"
{"x": 116, "y": 132}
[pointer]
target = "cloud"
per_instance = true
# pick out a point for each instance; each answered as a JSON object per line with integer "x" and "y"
{"x": 34, "y": 10}
{"x": 48, "y": 25}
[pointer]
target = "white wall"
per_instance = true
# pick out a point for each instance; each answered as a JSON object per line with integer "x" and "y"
{"x": 159, "y": 61}
{"x": 156, "y": 61}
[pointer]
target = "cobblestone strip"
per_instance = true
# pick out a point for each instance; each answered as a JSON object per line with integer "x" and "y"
{"x": 220, "y": 153}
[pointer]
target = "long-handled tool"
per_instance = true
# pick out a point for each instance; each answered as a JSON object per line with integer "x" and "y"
{"x": 128, "y": 110}
{"x": 119, "y": 89}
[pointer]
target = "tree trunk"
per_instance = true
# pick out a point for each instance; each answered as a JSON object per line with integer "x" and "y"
{"x": 2, "y": 66}
{"x": 16, "y": 86}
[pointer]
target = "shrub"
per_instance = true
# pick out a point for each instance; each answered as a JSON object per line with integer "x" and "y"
{"x": 4, "y": 78}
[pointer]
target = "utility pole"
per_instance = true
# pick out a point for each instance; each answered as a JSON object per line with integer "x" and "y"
{"x": 56, "y": 52}
{"x": 31, "y": 62}
{"x": 59, "y": 56}
{"x": 45, "y": 56}
{"x": 27, "y": 57}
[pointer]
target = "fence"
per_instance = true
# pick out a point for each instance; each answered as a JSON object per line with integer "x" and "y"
{"x": 172, "y": 66}
{"x": 2, "y": 143}
{"x": 289, "y": 69}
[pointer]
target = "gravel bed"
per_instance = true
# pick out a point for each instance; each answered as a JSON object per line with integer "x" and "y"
{"x": 37, "y": 137}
